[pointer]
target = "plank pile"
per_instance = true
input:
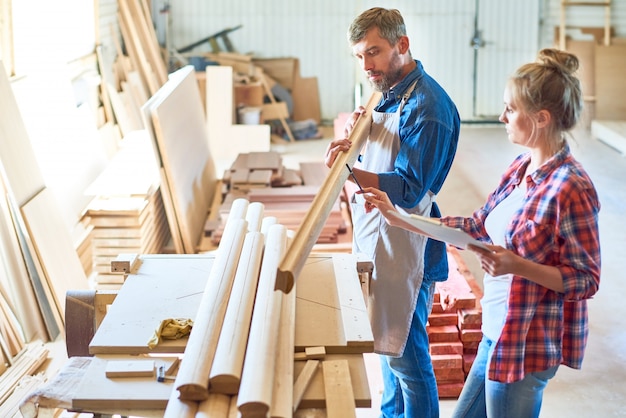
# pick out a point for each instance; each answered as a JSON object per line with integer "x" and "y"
{"x": 454, "y": 334}
{"x": 127, "y": 212}
{"x": 133, "y": 225}
{"x": 286, "y": 194}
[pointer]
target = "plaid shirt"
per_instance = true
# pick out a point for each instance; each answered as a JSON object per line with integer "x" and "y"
{"x": 557, "y": 226}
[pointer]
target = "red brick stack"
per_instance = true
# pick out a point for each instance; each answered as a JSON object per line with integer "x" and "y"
{"x": 454, "y": 334}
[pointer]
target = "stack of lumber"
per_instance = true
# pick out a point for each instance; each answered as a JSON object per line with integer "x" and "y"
{"x": 19, "y": 379}
{"x": 131, "y": 225}
{"x": 127, "y": 215}
{"x": 130, "y": 75}
{"x": 286, "y": 194}
{"x": 454, "y": 334}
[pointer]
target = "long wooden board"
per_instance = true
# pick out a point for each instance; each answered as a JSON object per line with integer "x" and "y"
{"x": 292, "y": 263}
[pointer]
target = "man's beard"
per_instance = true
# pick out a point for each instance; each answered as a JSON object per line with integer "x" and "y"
{"x": 390, "y": 78}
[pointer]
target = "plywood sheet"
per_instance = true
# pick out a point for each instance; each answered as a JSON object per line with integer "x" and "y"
{"x": 54, "y": 247}
{"x": 181, "y": 142}
{"x": 320, "y": 308}
{"x": 22, "y": 173}
{"x": 164, "y": 287}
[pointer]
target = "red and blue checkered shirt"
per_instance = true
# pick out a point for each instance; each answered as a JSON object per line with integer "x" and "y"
{"x": 556, "y": 226}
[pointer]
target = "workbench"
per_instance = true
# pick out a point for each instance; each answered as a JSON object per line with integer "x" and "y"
{"x": 330, "y": 313}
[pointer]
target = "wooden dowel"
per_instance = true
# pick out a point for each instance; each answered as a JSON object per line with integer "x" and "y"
{"x": 226, "y": 371}
{"x": 255, "y": 392}
{"x": 254, "y": 216}
{"x": 313, "y": 222}
{"x": 193, "y": 377}
{"x": 178, "y": 408}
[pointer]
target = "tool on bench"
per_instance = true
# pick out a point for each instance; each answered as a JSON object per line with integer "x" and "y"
{"x": 161, "y": 377}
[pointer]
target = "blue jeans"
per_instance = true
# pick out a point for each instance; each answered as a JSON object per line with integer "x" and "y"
{"x": 410, "y": 389}
{"x": 482, "y": 397}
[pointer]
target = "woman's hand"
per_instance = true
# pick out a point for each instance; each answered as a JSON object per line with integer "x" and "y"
{"x": 497, "y": 261}
{"x": 375, "y": 198}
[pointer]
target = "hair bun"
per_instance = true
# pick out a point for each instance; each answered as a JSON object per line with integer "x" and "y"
{"x": 559, "y": 60}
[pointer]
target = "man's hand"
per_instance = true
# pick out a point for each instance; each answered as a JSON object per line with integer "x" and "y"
{"x": 334, "y": 148}
{"x": 342, "y": 145}
{"x": 349, "y": 125}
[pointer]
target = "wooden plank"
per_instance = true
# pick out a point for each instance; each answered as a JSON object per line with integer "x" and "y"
{"x": 133, "y": 37}
{"x": 216, "y": 406}
{"x": 306, "y": 99}
{"x": 355, "y": 320}
{"x": 302, "y": 243}
{"x": 130, "y": 368}
{"x": 26, "y": 288}
{"x": 338, "y": 389}
{"x": 303, "y": 380}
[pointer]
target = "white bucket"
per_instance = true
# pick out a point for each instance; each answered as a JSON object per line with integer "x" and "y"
{"x": 250, "y": 115}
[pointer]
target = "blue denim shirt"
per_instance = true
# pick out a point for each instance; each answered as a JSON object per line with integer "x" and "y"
{"x": 429, "y": 133}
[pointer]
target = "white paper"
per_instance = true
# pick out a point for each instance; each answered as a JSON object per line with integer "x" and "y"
{"x": 432, "y": 228}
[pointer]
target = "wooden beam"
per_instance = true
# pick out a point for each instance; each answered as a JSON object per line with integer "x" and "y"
{"x": 313, "y": 222}
{"x": 304, "y": 378}
{"x": 338, "y": 389}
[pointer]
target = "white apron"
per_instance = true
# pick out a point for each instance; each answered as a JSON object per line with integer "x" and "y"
{"x": 397, "y": 254}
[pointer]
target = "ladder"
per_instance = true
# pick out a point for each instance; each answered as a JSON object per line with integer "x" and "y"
{"x": 607, "y": 18}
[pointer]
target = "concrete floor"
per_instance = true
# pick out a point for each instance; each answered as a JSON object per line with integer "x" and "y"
{"x": 599, "y": 389}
